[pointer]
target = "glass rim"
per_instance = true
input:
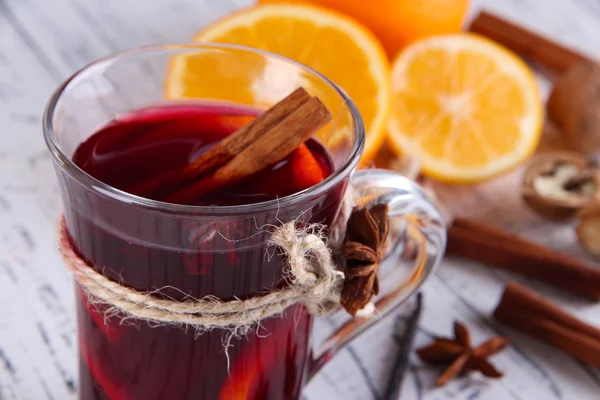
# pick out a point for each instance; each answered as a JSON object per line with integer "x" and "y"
{"x": 106, "y": 190}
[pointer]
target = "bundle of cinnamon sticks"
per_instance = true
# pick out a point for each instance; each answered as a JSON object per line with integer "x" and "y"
{"x": 269, "y": 138}
{"x": 521, "y": 308}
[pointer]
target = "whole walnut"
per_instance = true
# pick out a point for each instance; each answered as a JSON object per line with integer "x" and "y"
{"x": 574, "y": 105}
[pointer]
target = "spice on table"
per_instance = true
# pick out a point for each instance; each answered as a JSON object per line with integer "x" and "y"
{"x": 460, "y": 357}
{"x": 406, "y": 338}
{"x": 364, "y": 246}
{"x": 526, "y": 311}
{"x": 495, "y": 247}
{"x": 528, "y": 44}
{"x": 556, "y": 185}
{"x": 588, "y": 230}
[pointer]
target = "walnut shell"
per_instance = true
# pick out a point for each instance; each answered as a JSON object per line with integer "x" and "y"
{"x": 588, "y": 230}
{"x": 574, "y": 105}
{"x": 557, "y": 185}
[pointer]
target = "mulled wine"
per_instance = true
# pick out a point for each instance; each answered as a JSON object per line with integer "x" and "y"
{"x": 124, "y": 359}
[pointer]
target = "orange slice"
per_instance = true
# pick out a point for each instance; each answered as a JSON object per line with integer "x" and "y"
{"x": 468, "y": 108}
{"x": 300, "y": 172}
{"x": 333, "y": 44}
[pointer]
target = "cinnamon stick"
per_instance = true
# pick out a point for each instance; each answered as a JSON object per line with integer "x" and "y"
{"x": 530, "y": 45}
{"x": 527, "y": 311}
{"x": 226, "y": 149}
{"x": 272, "y": 146}
{"x": 492, "y": 246}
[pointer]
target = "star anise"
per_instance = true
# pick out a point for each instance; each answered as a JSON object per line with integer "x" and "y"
{"x": 363, "y": 249}
{"x": 460, "y": 357}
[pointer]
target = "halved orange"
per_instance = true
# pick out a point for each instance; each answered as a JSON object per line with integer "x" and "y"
{"x": 333, "y": 44}
{"x": 468, "y": 108}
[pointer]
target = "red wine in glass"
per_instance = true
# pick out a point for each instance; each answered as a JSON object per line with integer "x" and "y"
{"x": 134, "y": 360}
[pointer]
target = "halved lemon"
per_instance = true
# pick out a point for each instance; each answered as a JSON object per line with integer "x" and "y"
{"x": 468, "y": 108}
{"x": 331, "y": 43}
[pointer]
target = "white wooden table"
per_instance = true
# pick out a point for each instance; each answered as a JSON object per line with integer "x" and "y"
{"x": 44, "y": 41}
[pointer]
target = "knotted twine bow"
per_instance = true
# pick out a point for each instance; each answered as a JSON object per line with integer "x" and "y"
{"x": 315, "y": 281}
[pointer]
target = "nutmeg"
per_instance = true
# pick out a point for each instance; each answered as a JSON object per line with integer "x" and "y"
{"x": 557, "y": 185}
{"x": 588, "y": 230}
{"x": 574, "y": 105}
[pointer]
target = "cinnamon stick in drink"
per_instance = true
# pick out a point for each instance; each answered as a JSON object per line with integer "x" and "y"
{"x": 528, "y": 312}
{"x": 480, "y": 242}
{"x": 272, "y": 146}
{"x": 226, "y": 149}
{"x": 238, "y": 141}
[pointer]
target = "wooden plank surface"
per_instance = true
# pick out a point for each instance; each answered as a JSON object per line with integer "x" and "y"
{"x": 44, "y": 41}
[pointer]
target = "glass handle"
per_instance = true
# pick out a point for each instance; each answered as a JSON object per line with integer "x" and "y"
{"x": 416, "y": 246}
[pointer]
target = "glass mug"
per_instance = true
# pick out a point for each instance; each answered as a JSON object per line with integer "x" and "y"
{"x": 172, "y": 249}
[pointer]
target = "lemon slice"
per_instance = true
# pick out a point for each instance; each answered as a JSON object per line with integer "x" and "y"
{"x": 468, "y": 108}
